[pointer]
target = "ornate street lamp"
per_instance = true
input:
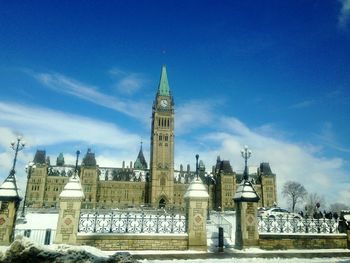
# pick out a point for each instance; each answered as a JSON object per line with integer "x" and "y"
{"x": 246, "y": 153}
{"x": 197, "y": 167}
{"x": 209, "y": 180}
{"x": 16, "y": 146}
{"x": 76, "y": 164}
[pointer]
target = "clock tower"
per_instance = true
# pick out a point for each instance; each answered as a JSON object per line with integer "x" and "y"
{"x": 162, "y": 146}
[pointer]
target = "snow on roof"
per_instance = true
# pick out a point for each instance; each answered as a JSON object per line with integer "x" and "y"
{"x": 196, "y": 189}
{"x": 8, "y": 189}
{"x": 246, "y": 193}
{"x": 73, "y": 188}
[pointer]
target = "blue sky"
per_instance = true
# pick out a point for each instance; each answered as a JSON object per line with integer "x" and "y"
{"x": 273, "y": 75}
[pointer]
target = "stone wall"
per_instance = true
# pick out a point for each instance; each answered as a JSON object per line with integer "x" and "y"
{"x": 134, "y": 242}
{"x": 273, "y": 241}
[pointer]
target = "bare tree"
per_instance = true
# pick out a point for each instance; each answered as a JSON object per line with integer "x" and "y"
{"x": 294, "y": 192}
{"x": 314, "y": 202}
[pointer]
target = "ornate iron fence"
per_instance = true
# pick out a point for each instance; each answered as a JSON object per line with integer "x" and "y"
{"x": 297, "y": 225}
{"x": 118, "y": 221}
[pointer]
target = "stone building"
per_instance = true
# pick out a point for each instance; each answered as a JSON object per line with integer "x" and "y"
{"x": 160, "y": 185}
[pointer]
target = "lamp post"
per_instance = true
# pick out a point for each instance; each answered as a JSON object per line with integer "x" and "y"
{"x": 16, "y": 146}
{"x": 29, "y": 168}
{"x": 76, "y": 163}
{"x": 209, "y": 180}
{"x": 197, "y": 168}
{"x": 246, "y": 153}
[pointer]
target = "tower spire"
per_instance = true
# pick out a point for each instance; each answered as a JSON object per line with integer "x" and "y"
{"x": 140, "y": 162}
{"x": 163, "y": 88}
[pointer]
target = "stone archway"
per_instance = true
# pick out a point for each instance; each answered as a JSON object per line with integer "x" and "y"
{"x": 162, "y": 203}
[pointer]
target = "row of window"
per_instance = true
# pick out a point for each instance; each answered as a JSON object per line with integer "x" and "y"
{"x": 35, "y": 187}
{"x": 164, "y": 122}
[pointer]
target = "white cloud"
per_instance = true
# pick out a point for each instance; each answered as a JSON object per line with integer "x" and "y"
{"x": 344, "y": 15}
{"x": 63, "y": 84}
{"x": 303, "y": 104}
{"x": 194, "y": 114}
{"x": 43, "y": 126}
{"x": 127, "y": 83}
{"x": 289, "y": 160}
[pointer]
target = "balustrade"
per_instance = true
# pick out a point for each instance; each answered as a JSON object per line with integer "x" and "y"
{"x": 118, "y": 221}
{"x": 290, "y": 225}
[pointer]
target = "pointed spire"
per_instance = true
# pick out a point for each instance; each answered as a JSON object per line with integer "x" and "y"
{"x": 163, "y": 88}
{"x": 140, "y": 162}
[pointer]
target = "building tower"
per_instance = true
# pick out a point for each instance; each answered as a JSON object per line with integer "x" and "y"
{"x": 162, "y": 146}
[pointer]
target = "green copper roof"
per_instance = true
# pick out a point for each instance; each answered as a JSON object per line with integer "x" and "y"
{"x": 163, "y": 88}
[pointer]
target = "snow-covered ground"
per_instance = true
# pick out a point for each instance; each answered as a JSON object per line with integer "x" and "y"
{"x": 87, "y": 254}
{"x": 255, "y": 260}
{"x": 39, "y": 221}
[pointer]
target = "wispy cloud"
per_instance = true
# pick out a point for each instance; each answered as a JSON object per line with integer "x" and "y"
{"x": 127, "y": 83}
{"x": 328, "y": 137}
{"x": 303, "y": 104}
{"x": 63, "y": 84}
{"x": 344, "y": 15}
{"x": 44, "y": 126}
{"x": 195, "y": 114}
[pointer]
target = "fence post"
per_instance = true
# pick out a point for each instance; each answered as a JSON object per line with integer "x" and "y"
{"x": 9, "y": 203}
{"x": 69, "y": 212}
{"x": 47, "y": 237}
{"x": 246, "y": 203}
{"x": 196, "y": 198}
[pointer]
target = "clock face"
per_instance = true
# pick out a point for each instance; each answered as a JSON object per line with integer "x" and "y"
{"x": 163, "y": 103}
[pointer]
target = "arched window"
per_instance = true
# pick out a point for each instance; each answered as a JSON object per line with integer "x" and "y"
{"x": 162, "y": 203}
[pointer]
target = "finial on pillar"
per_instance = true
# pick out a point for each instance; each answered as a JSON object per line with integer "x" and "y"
{"x": 197, "y": 156}
{"x": 76, "y": 163}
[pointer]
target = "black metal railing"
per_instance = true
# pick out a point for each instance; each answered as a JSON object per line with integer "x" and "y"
{"x": 297, "y": 225}
{"x": 119, "y": 221}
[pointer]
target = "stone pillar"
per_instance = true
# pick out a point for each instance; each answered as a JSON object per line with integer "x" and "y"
{"x": 69, "y": 212}
{"x": 196, "y": 198}
{"x": 9, "y": 203}
{"x": 246, "y": 203}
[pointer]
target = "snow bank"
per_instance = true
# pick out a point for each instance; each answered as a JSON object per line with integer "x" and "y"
{"x": 22, "y": 250}
{"x": 250, "y": 260}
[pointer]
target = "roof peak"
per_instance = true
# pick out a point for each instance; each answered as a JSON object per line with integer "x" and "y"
{"x": 163, "y": 88}
{"x": 8, "y": 189}
{"x": 140, "y": 162}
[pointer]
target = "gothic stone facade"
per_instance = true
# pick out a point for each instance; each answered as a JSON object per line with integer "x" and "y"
{"x": 136, "y": 185}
